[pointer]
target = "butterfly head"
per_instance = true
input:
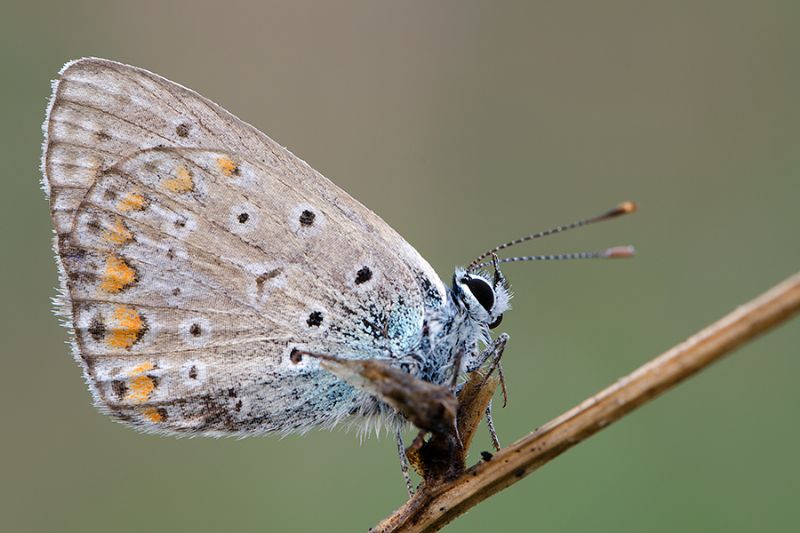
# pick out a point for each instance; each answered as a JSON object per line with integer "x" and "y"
{"x": 484, "y": 299}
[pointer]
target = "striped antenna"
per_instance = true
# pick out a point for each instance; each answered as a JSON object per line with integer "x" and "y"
{"x": 622, "y": 209}
{"x": 616, "y": 252}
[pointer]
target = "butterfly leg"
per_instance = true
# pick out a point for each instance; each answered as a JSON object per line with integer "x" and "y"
{"x": 490, "y": 425}
{"x": 401, "y": 450}
{"x": 493, "y": 352}
{"x": 496, "y": 364}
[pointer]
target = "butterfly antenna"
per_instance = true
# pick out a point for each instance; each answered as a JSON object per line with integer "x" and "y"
{"x": 622, "y": 209}
{"x": 615, "y": 252}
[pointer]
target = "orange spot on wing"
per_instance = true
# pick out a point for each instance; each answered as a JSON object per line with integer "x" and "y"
{"x": 227, "y": 166}
{"x": 153, "y": 414}
{"x": 142, "y": 368}
{"x": 133, "y": 201}
{"x": 140, "y": 388}
{"x": 128, "y": 327}
{"x": 119, "y": 233}
{"x": 117, "y": 275}
{"x": 182, "y": 182}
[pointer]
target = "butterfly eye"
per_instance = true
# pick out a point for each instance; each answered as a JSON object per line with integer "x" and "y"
{"x": 481, "y": 290}
{"x": 496, "y": 322}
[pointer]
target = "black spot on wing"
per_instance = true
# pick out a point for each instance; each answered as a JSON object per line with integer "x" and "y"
{"x": 307, "y": 217}
{"x": 97, "y": 328}
{"x": 314, "y": 319}
{"x": 182, "y": 130}
{"x": 363, "y": 275}
{"x": 430, "y": 295}
{"x": 119, "y": 388}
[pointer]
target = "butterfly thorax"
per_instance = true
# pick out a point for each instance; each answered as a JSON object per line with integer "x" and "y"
{"x": 458, "y": 328}
{"x": 442, "y": 334}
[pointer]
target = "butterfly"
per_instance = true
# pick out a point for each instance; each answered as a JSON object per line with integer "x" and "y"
{"x": 196, "y": 256}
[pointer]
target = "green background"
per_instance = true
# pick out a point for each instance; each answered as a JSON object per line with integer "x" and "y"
{"x": 462, "y": 124}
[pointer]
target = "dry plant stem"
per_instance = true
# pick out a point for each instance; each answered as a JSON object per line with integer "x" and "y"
{"x": 432, "y": 508}
{"x": 443, "y": 456}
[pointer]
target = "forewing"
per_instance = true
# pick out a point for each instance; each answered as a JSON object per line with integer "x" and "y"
{"x": 196, "y": 254}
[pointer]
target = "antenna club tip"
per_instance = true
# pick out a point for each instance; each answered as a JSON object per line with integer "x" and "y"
{"x": 627, "y": 207}
{"x": 619, "y": 252}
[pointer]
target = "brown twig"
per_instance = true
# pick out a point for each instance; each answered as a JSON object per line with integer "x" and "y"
{"x": 434, "y": 506}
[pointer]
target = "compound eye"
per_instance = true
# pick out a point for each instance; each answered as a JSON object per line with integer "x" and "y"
{"x": 481, "y": 290}
{"x": 496, "y": 322}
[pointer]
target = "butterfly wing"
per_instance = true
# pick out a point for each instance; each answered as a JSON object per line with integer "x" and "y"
{"x": 196, "y": 253}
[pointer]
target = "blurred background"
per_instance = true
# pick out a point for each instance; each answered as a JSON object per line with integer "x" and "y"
{"x": 463, "y": 124}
